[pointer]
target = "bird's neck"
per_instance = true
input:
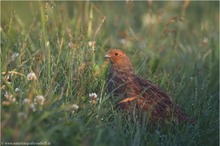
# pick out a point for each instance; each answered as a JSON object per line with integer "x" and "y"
{"x": 125, "y": 71}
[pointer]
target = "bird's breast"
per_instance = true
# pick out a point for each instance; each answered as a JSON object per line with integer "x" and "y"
{"x": 119, "y": 84}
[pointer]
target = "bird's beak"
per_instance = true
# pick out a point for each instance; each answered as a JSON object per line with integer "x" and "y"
{"x": 107, "y": 56}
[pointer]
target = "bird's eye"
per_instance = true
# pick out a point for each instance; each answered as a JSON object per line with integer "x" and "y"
{"x": 116, "y": 54}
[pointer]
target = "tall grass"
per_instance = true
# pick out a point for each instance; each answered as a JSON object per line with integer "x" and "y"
{"x": 174, "y": 44}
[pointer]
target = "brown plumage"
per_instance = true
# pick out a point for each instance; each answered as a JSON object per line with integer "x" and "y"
{"x": 136, "y": 93}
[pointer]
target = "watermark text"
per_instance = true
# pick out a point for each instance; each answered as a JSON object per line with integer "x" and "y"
{"x": 26, "y": 143}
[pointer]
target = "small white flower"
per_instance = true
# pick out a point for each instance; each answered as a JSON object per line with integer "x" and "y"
{"x": 75, "y": 106}
{"x": 70, "y": 45}
{"x": 26, "y": 101}
{"x": 93, "y": 98}
{"x": 72, "y": 108}
{"x": 149, "y": 19}
{"x": 17, "y": 90}
{"x": 47, "y": 44}
{"x": 93, "y": 95}
{"x": 14, "y": 56}
{"x": 92, "y": 45}
{"x": 205, "y": 40}
{"x": 10, "y": 97}
{"x": 122, "y": 40}
{"x": 32, "y": 107}
{"x": 39, "y": 99}
{"x": 31, "y": 76}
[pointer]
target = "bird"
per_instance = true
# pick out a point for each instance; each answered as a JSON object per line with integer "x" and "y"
{"x": 135, "y": 93}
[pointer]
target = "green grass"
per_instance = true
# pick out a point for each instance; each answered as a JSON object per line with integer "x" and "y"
{"x": 174, "y": 46}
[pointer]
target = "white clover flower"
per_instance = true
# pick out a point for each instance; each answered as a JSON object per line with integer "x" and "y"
{"x": 93, "y": 95}
{"x": 39, "y": 99}
{"x": 32, "y": 107}
{"x": 205, "y": 40}
{"x": 31, "y": 76}
{"x": 75, "y": 106}
{"x": 72, "y": 108}
{"x": 93, "y": 98}
{"x": 26, "y": 101}
{"x": 149, "y": 19}
{"x": 17, "y": 90}
{"x": 6, "y": 103}
{"x": 92, "y": 44}
{"x": 10, "y": 97}
{"x": 14, "y": 56}
{"x": 70, "y": 45}
{"x": 122, "y": 40}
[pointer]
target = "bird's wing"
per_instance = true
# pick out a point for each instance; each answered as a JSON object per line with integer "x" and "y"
{"x": 155, "y": 96}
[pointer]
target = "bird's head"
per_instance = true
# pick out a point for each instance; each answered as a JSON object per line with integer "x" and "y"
{"x": 119, "y": 59}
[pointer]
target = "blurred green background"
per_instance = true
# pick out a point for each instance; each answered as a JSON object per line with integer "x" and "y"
{"x": 174, "y": 44}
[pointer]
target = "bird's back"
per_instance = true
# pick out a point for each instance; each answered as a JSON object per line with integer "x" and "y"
{"x": 147, "y": 95}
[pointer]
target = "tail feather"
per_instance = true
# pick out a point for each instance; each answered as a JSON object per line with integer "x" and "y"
{"x": 182, "y": 117}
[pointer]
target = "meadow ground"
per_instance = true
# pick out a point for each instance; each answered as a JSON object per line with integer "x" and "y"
{"x": 52, "y": 61}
